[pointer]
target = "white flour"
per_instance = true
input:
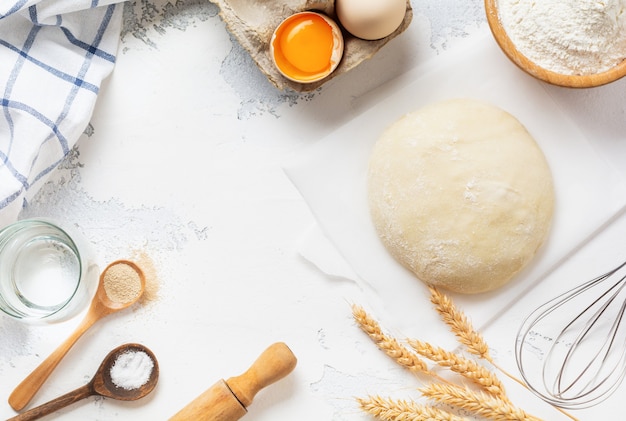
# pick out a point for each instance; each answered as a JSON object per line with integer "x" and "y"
{"x": 567, "y": 36}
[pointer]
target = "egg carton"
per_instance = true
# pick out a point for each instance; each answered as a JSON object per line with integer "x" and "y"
{"x": 253, "y": 22}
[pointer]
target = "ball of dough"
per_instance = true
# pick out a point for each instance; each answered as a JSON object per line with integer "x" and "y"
{"x": 460, "y": 194}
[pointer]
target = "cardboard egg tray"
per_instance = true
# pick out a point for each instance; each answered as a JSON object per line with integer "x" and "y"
{"x": 253, "y": 22}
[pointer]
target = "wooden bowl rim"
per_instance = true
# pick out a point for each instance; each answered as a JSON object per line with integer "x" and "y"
{"x": 570, "y": 81}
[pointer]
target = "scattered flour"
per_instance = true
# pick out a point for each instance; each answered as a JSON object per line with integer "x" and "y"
{"x": 457, "y": 20}
{"x": 148, "y": 21}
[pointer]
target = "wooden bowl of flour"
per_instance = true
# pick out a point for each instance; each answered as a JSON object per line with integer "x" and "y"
{"x": 509, "y": 48}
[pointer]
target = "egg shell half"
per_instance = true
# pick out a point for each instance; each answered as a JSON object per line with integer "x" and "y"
{"x": 281, "y": 60}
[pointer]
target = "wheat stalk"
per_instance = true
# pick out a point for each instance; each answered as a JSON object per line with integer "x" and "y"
{"x": 495, "y": 406}
{"x": 387, "y": 344}
{"x": 465, "y": 333}
{"x": 469, "y": 369}
{"x": 402, "y": 410}
{"x": 459, "y": 324}
{"x": 478, "y": 403}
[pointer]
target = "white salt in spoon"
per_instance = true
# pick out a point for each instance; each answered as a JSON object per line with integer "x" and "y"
{"x": 570, "y": 81}
{"x": 115, "y": 292}
{"x": 101, "y": 384}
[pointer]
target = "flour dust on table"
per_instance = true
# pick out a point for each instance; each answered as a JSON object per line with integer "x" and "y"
{"x": 146, "y": 21}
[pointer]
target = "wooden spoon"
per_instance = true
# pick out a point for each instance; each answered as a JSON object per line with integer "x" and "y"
{"x": 570, "y": 81}
{"x": 101, "y": 306}
{"x": 101, "y": 384}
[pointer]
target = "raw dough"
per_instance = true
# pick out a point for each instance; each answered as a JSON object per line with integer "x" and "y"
{"x": 460, "y": 194}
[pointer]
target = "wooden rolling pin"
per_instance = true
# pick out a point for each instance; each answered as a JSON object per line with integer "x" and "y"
{"x": 228, "y": 400}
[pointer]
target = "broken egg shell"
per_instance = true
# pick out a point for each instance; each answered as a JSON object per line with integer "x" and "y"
{"x": 310, "y": 49}
{"x": 252, "y": 23}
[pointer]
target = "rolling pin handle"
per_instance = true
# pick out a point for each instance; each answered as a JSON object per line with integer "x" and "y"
{"x": 273, "y": 364}
{"x": 228, "y": 400}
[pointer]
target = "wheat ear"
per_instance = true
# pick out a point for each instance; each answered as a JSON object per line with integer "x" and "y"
{"x": 465, "y": 333}
{"x": 478, "y": 403}
{"x": 402, "y": 410}
{"x": 459, "y": 324}
{"x": 469, "y": 369}
{"x": 389, "y": 345}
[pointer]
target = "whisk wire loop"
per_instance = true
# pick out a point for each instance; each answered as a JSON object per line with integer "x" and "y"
{"x": 597, "y": 364}
{"x": 571, "y": 351}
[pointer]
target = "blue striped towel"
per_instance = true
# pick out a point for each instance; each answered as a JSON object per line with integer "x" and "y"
{"x": 54, "y": 55}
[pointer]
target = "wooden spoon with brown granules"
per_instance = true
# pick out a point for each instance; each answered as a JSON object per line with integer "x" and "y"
{"x": 121, "y": 284}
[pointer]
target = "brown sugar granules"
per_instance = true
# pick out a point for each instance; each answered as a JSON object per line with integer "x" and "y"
{"x": 122, "y": 283}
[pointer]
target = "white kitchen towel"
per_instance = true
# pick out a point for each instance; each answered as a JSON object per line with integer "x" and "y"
{"x": 54, "y": 55}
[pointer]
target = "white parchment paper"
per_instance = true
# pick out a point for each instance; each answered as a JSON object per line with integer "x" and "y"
{"x": 331, "y": 176}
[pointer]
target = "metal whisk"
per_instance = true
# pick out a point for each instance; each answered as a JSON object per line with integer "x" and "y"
{"x": 571, "y": 351}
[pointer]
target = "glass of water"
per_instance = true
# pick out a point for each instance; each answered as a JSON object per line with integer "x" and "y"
{"x": 41, "y": 271}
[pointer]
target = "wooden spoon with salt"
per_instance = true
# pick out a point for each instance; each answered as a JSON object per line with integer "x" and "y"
{"x": 519, "y": 59}
{"x": 102, "y": 384}
{"x": 121, "y": 284}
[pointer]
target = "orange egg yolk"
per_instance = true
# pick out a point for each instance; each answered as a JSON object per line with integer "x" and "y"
{"x": 303, "y": 46}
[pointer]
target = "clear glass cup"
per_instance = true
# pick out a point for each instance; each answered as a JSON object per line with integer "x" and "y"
{"x": 42, "y": 271}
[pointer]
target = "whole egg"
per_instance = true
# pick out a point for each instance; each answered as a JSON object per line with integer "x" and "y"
{"x": 370, "y": 19}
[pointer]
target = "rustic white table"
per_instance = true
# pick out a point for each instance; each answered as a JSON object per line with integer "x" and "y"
{"x": 182, "y": 169}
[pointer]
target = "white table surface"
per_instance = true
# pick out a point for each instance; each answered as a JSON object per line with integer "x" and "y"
{"x": 183, "y": 163}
